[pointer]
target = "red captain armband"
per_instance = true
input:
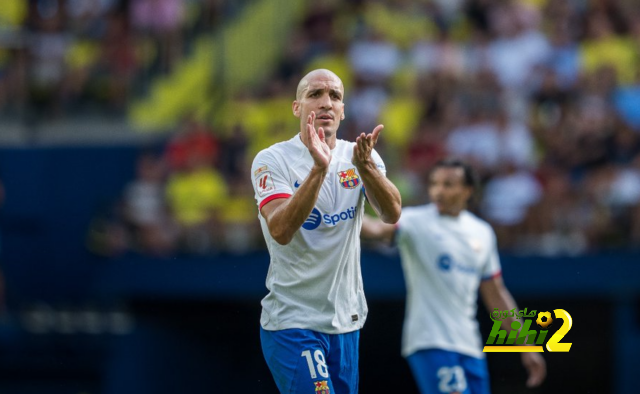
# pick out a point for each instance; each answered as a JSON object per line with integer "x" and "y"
{"x": 497, "y": 274}
{"x": 273, "y": 197}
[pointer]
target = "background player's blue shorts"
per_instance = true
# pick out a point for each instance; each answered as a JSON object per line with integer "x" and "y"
{"x": 303, "y": 360}
{"x": 440, "y": 371}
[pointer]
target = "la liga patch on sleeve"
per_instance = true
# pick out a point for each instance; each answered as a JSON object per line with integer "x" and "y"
{"x": 264, "y": 184}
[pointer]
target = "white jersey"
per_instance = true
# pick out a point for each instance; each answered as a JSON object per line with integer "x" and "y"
{"x": 315, "y": 281}
{"x": 444, "y": 258}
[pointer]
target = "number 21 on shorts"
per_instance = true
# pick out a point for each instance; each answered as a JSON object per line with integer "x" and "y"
{"x": 319, "y": 367}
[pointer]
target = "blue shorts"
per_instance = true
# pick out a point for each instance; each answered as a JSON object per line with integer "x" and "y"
{"x": 305, "y": 361}
{"x": 440, "y": 371}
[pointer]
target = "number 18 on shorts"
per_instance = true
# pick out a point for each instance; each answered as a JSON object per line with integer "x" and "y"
{"x": 304, "y": 361}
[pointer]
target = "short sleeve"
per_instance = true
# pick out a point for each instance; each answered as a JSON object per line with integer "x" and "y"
{"x": 379, "y": 163}
{"x": 268, "y": 179}
{"x": 492, "y": 266}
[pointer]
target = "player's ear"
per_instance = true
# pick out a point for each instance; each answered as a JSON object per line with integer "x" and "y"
{"x": 295, "y": 106}
{"x": 342, "y": 116}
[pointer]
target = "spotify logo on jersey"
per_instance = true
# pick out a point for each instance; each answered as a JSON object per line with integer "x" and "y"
{"x": 313, "y": 221}
{"x": 315, "y": 218}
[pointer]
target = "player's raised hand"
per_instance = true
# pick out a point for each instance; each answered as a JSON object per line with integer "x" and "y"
{"x": 536, "y": 368}
{"x": 318, "y": 147}
{"x": 364, "y": 145}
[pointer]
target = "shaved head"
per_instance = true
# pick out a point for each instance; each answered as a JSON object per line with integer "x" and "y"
{"x": 319, "y": 104}
{"x": 321, "y": 72}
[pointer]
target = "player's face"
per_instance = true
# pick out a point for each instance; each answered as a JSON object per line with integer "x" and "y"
{"x": 323, "y": 94}
{"x": 448, "y": 191}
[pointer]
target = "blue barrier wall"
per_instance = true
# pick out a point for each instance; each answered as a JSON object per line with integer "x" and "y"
{"x": 193, "y": 316}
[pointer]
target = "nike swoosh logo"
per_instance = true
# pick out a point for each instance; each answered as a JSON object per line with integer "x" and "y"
{"x": 296, "y": 185}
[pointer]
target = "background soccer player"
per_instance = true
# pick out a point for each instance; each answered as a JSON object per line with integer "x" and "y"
{"x": 447, "y": 255}
{"x": 311, "y": 192}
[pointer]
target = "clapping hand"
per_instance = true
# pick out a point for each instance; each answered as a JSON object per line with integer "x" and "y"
{"x": 363, "y": 147}
{"x": 320, "y": 151}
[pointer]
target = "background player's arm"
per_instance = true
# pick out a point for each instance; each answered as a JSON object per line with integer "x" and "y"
{"x": 285, "y": 216}
{"x": 382, "y": 194}
{"x": 376, "y": 229}
{"x": 496, "y": 295}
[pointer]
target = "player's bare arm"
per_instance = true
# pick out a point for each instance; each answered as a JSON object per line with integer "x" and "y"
{"x": 285, "y": 216}
{"x": 496, "y": 295}
{"x": 376, "y": 229}
{"x": 382, "y": 194}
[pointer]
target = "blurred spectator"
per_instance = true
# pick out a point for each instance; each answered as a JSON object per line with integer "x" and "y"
{"x": 449, "y": 8}
{"x": 549, "y": 102}
{"x": 233, "y": 152}
{"x": 210, "y": 14}
{"x": 519, "y": 47}
{"x": 604, "y": 48}
{"x": 516, "y": 144}
{"x": 241, "y": 229}
{"x": 553, "y": 226}
{"x": 441, "y": 55}
{"x": 373, "y": 58}
{"x": 196, "y": 194}
{"x": 13, "y": 14}
{"x": 193, "y": 139}
{"x": 13, "y": 80}
{"x": 363, "y": 106}
{"x": 437, "y": 93}
{"x": 623, "y": 199}
{"x": 426, "y": 148}
{"x": 118, "y": 62}
{"x": 477, "y": 53}
{"x": 491, "y": 141}
{"x": 507, "y": 198}
{"x": 153, "y": 230}
{"x": 318, "y": 28}
{"x": 563, "y": 60}
{"x": 627, "y": 102}
{"x": 162, "y": 20}
{"x": 625, "y": 145}
{"x": 47, "y": 48}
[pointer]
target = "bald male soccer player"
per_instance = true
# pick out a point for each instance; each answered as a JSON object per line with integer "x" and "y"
{"x": 311, "y": 191}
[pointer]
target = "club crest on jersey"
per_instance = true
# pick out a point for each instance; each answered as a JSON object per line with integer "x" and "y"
{"x": 349, "y": 179}
{"x": 321, "y": 387}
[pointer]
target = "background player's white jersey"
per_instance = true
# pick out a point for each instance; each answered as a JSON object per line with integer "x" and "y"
{"x": 315, "y": 281}
{"x": 444, "y": 259}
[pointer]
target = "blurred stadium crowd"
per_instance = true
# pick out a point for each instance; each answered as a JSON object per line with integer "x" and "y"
{"x": 61, "y": 58}
{"x": 542, "y": 96}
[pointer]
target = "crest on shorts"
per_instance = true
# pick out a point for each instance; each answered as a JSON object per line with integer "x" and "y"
{"x": 349, "y": 179}
{"x": 321, "y": 387}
